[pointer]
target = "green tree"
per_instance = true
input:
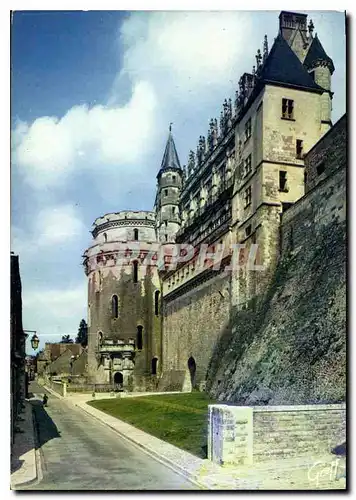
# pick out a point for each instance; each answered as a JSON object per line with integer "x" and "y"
{"x": 82, "y": 337}
{"x": 66, "y": 340}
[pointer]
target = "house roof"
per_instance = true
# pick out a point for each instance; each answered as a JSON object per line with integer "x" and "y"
{"x": 282, "y": 66}
{"x": 317, "y": 53}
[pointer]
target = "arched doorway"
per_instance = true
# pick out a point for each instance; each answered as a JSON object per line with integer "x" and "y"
{"x": 154, "y": 364}
{"x": 118, "y": 381}
{"x": 192, "y": 367}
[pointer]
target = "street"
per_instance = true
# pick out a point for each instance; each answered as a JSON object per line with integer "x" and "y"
{"x": 80, "y": 453}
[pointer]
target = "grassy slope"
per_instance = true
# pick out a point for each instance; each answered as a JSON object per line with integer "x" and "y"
{"x": 179, "y": 419}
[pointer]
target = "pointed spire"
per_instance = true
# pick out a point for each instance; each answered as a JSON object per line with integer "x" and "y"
{"x": 191, "y": 163}
{"x": 170, "y": 156}
{"x": 311, "y": 28}
{"x": 211, "y": 135}
{"x": 258, "y": 59}
{"x": 215, "y": 132}
{"x": 265, "y": 48}
{"x": 236, "y": 102}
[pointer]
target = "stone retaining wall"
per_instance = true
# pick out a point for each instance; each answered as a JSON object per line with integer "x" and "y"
{"x": 240, "y": 435}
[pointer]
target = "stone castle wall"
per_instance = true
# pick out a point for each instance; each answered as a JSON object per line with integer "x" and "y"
{"x": 290, "y": 345}
{"x": 192, "y": 323}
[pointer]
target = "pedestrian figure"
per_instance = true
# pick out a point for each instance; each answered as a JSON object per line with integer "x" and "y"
{"x": 45, "y": 399}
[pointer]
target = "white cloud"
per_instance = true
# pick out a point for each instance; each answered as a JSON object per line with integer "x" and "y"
{"x": 53, "y": 225}
{"x": 191, "y": 48}
{"x": 169, "y": 57}
{"x": 49, "y": 149}
{"x": 54, "y": 312}
{"x": 57, "y": 225}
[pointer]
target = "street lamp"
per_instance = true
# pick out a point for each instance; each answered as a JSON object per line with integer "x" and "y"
{"x": 35, "y": 342}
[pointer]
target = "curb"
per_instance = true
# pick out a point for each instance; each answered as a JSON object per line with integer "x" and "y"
{"x": 38, "y": 466}
{"x": 164, "y": 461}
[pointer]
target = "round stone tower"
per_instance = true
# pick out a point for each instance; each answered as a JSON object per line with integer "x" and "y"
{"x": 169, "y": 186}
{"x": 124, "y": 328}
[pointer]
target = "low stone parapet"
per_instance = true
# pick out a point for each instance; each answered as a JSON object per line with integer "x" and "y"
{"x": 241, "y": 435}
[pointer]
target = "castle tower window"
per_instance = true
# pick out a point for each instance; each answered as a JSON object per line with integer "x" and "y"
{"x": 173, "y": 178}
{"x": 166, "y": 237}
{"x": 100, "y": 339}
{"x": 248, "y": 196}
{"x": 166, "y": 192}
{"x": 320, "y": 168}
{"x": 156, "y": 302}
{"x": 299, "y": 149}
{"x": 287, "y": 109}
{"x": 248, "y": 165}
{"x": 105, "y": 237}
{"x": 173, "y": 210}
{"x": 135, "y": 271}
{"x": 154, "y": 366}
{"x": 135, "y": 234}
{"x": 115, "y": 306}
{"x": 139, "y": 337}
{"x": 165, "y": 223}
{"x": 248, "y": 230}
{"x": 248, "y": 129}
{"x": 283, "y": 186}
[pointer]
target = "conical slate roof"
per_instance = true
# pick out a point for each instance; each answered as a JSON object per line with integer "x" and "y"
{"x": 283, "y": 66}
{"x": 317, "y": 53}
{"x": 170, "y": 157}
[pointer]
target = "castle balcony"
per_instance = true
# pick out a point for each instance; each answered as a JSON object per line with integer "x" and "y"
{"x": 116, "y": 347}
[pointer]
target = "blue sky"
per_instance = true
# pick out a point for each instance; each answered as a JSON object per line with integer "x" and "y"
{"x": 93, "y": 94}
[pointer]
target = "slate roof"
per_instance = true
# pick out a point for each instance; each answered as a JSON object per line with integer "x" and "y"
{"x": 170, "y": 157}
{"x": 316, "y": 53}
{"x": 283, "y": 66}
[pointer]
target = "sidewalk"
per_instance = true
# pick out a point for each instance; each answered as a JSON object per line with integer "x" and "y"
{"x": 312, "y": 473}
{"x": 24, "y": 467}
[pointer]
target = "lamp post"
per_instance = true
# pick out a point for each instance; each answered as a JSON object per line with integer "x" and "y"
{"x": 34, "y": 339}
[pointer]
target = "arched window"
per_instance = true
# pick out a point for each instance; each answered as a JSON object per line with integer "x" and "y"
{"x": 100, "y": 339}
{"x": 135, "y": 234}
{"x": 154, "y": 365}
{"x": 139, "y": 337}
{"x": 157, "y": 302}
{"x": 135, "y": 271}
{"x": 105, "y": 237}
{"x": 115, "y": 306}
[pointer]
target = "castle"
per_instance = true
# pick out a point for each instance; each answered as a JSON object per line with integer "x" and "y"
{"x": 151, "y": 324}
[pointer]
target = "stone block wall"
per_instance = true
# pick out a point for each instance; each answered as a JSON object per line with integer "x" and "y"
{"x": 327, "y": 155}
{"x": 310, "y": 430}
{"x": 242, "y": 435}
{"x": 192, "y": 323}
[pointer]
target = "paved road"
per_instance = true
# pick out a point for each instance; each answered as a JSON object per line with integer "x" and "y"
{"x": 80, "y": 453}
